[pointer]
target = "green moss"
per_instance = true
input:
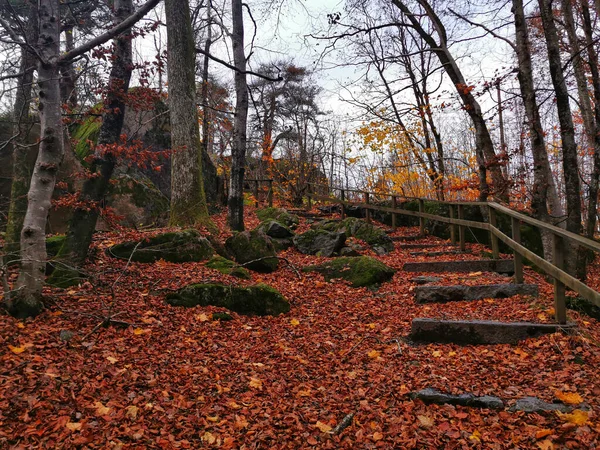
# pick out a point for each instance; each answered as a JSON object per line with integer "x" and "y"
{"x": 177, "y": 247}
{"x": 228, "y": 267}
{"x": 278, "y": 214}
{"x": 260, "y": 299}
{"x": 222, "y": 316}
{"x": 87, "y": 131}
{"x": 583, "y": 306}
{"x": 64, "y": 276}
{"x": 144, "y": 194}
{"x": 359, "y": 271}
{"x": 254, "y": 249}
{"x": 53, "y": 244}
{"x": 360, "y": 229}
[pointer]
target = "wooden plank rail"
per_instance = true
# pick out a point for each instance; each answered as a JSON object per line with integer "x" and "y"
{"x": 562, "y": 238}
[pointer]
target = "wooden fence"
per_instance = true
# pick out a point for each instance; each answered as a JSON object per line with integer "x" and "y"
{"x": 561, "y": 238}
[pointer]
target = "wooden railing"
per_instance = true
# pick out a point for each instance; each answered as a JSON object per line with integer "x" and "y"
{"x": 458, "y": 225}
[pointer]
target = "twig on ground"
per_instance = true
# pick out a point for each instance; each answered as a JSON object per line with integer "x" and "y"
{"x": 345, "y": 423}
{"x": 364, "y": 338}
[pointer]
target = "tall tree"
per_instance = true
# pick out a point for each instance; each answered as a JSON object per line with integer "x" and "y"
{"x": 235, "y": 201}
{"x": 188, "y": 200}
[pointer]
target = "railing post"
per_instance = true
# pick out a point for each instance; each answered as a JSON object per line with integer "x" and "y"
{"x": 343, "y": 195}
{"x": 461, "y": 228}
{"x": 270, "y": 194}
{"x": 421, "y": 219}
{"x": 394, "y": 206}
{"x": 516, "y": 235}
{"x": 452, "y": 226}
{"x": 309, "y": 198}
{"x": 368, "y": 211}
{"x": 256, "y": 193}
{"x": 560, "y": 308}
{"x": 493, "y": 221}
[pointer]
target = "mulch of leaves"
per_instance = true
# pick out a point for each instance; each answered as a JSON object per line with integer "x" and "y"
{"x": 176, "y": 378}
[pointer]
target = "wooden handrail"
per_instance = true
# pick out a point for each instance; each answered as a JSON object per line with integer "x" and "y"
{"x": 561, "y": 277}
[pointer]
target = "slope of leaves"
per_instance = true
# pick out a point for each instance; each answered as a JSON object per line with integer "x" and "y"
{"x": 176, "y": 378}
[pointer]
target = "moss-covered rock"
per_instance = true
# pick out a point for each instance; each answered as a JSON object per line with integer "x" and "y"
{"x": 177, "y": 247}
{"x": 320, "y": 242}
{"x": 275, "y": 229}
{"x": 228, "y": 267}
{"x": 254, "y": 249}
{"x": 359, "y": 271}
{"x": 583, "y": 306}
{"x": 379, "y": 241}
{"x": 53, "y": 244}
{"x": 259, "y": 300}
{"x": 278, "y": 214}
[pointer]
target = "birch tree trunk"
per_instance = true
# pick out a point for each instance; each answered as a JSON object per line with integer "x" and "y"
{"x": 21, "y": 168}
{"x": 235, "y": 202}
{"x": 188, "y": 201}
{"x": 26, "y": 300}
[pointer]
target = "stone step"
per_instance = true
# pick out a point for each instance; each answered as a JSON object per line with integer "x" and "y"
{"x": 406, "y": 238}
{"x": 479, "y": 265}
{"x": 415, "y": 246}
{"x": 467, "y": 332}
{"x": 440, "y": 253}
{"x": 442, "y": 294}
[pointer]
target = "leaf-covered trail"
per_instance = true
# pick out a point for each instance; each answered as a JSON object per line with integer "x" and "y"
{"x": 178, "y": 379}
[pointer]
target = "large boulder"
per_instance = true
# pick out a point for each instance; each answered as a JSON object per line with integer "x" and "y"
{"x": 259, "y": 300}
{"x": 278, "y": 214}
{"x": 254, "y": 249}
{"x": 359, "y": 271}
{"x": 177, "y": 247}
{"x": 228, "y": 267}
{"x": 280, "y": 234}
{"x": 320, "y": 242}
{"x": 379, "y": 241}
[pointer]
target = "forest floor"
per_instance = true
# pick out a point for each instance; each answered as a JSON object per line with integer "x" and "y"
{"x": 178, "y": 379}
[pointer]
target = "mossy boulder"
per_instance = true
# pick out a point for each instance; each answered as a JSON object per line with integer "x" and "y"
{"x": 257, "y": 300}
{"x": 275, "y": 229}
{"x": 254, "y": 249}
{"x": 176, "y": 247}
{"x": 53, "y": 244}
{"x": 379, "y": 241}
{"x": 359, "y": 271}
{"x": 320, "y": 242}
{"x": 278, "y": 214}
{"x": 228, "y": 267}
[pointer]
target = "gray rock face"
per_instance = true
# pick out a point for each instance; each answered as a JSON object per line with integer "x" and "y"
{"x": 254, "y": 249}
{"x": 440, "y": 294}
{"x": 348, "y": 251}
{"x": 425, "y": 280}
{"x": 429, "y": 395}
{"x": 376, "y": 237}
{"x": 274, "y": 229}
{"x": 483, "y": 265}
{"x": 534, "y": 405}
{"x": 359, "y": 271}
{"x": 321, "y": 242}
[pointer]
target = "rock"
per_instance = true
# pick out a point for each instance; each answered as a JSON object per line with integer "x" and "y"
{"x": 281, "y": 244}
{"x": 222, "y": 316}
{"x": 425, "y": 280}
{"x": 376, "y": 237}
{"x": 53, "y": 244}
{"x": 274, "y": 229}
{"x": 259, "y": 300}
{"x": 66, "y": 335}
{"x": 583, "y": 306}
{"x": 429, "y": 395}
{"x": 484, "y": 265}
{"x": 228, "y": 267}
{"x": 278, "y": 214}
{"x": 176, "y": 247}
{"x": 348, "y": 251}
{"x": 359, "y": 271}
{"x": 320, "y": 242}
{"x": 254, "y": 249}
{"x": 535, "y": 405}
{"x": 440, "y": 294}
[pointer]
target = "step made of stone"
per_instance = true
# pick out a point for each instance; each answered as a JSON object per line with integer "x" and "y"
{"x": 416, "y": 246}
{"x": 441, "y": 253}
{"x": 482, "y": 265}
{"x": 442, "y": 294}
{"x": 467, "y": 332}
{"x": 406, "y": 238}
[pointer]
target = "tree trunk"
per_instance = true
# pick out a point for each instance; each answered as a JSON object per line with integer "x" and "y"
{"x": 567, "y": 131}
{"x": 592, "y": 212}
{"x": 74, "y": 251}
{"x": 21, "y": 173}
{"x": 235, "y": 202}
{"x": 188, "y": 200}
{"x": 27, "y": 298}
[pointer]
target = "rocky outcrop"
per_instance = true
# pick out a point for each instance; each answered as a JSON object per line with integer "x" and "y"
{"x": 359, "y": 271}
{"x": 254, "y": 250}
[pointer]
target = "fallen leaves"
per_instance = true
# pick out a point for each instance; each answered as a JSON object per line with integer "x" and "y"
{"x": 576, "y": 417}
{"x": 571, "y": 398}
{"x": 425, "y": 421}
{"x": 255, "y": 383}
{"x": 19, "y": 350}
{"x": 323, "y": 427}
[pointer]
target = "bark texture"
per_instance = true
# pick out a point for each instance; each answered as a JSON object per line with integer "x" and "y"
{"x": 188, "y": 200}
{"x": 26, "y": 300}
{"x": 235, "y": 202}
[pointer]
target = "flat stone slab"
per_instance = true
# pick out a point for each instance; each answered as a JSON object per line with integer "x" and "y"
{"x": 480, "y": 265}
{"x": 429, "y": 395}
{"x": 442, "y": 294}
{"x": 466, "y": 332}
{"x": 415, "y": 246}
{"x": 535, "y": 405}
{"x": 425, "y": 280}
{"x": 441, "y": 253}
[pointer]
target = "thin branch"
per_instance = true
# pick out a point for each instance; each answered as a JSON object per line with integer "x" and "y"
{"x": 232, "y": 67}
